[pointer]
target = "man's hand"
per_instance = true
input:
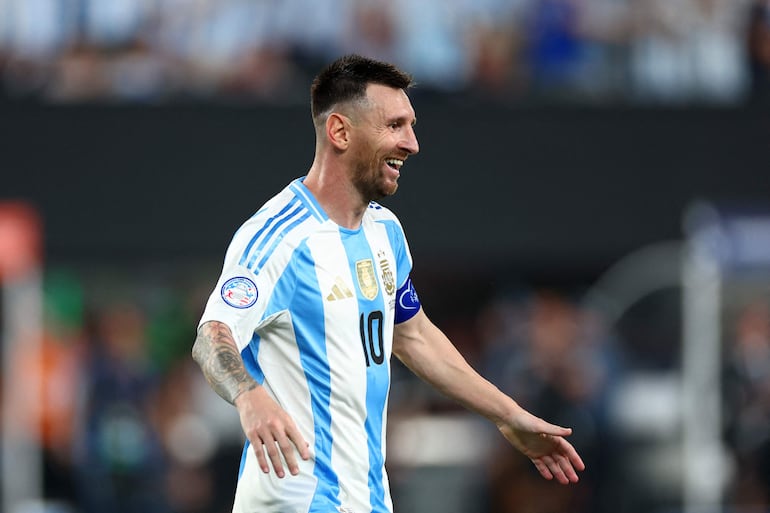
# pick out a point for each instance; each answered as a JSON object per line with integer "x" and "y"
{"x": 544, "y": 444}
{"x": 422, "y": 347}
{"x": 265, "y": 423}
{"x": 270, "y": 429}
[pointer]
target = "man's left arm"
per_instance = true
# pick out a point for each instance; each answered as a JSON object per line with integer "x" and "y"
{"x": 427, "y": 352}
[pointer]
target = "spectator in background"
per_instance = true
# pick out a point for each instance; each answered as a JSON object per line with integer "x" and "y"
{"x": 686, "y": 51}
{"x": 555, "y": 47}
{"x": 230, "y": 49}
{"x": 113, "y": 24}
{"x": 373, "y": 30}
{"x": 658, "y": 61}
{"x": 119, "y": 458}
{"x": 747, "y": 401}
{"x": 496, "y": 42}
{"x": 34, "y": 33}
{"x": 430, "y": 39}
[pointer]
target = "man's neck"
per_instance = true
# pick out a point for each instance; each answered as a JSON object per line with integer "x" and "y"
{"x": 337, "y": 196}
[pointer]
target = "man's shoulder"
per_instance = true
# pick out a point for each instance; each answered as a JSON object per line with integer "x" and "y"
{"x": 282, "y": 217}
{"x": 284, "y": 207}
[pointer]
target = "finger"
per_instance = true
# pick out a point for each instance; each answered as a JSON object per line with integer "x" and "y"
{"x": 567, "y": 469}
{"x": 287, "y": 449}
{"x": 275, "y": 458}
{"x": 259, "y": 450}
{"x": 553, "y": 429}
{"x": 555, "y": 469}
{"x": 299, "y": 442}
{"x": 543, "y": 469}
{"x": 573, "y": 459}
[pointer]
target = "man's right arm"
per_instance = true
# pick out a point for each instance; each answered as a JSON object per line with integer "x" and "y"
{"x": 267, "y": 426}
{"x": 217, "y": 355}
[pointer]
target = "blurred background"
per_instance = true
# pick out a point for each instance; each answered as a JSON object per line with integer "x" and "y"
{"x": 589, "y": 217}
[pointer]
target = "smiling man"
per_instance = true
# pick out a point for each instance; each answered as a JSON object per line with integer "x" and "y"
{"x": 314, "y": 297}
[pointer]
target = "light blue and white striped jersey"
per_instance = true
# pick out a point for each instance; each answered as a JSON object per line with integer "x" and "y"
{"x": 312, "y": 307}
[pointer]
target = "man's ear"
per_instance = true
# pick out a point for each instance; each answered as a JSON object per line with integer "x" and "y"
{"x": 338, "y": 130}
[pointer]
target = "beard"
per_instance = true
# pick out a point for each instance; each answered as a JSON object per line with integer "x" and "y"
{"x": 370, "y": 181}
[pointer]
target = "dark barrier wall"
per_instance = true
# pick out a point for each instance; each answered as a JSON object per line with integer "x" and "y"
{"x": 563, "y": 189}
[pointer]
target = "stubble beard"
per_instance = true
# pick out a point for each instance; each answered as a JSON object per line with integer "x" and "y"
{"x": 370, "y": 183}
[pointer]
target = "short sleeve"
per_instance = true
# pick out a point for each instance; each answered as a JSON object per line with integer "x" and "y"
{"x": 240, "y": 296}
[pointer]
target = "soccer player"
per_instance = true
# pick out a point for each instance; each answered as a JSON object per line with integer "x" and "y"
{"x": 314, "y": 297}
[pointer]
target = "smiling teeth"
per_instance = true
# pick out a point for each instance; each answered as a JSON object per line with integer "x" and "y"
{"x": 394, "y": 162}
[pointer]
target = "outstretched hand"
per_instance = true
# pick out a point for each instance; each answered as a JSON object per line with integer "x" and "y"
{"x": 544, "y": 444}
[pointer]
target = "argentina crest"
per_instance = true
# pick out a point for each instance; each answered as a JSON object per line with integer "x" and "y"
{"x": 367, "y": 280}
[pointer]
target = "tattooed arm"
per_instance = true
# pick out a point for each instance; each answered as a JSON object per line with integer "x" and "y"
{"x": 216, "y": 353}
{"x": 267, "y": 426}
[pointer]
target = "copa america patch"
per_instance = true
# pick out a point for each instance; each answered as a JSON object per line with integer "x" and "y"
{"x": 239, "y": 292}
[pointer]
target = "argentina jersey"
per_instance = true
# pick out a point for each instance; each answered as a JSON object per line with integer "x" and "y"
{"x": 311, "y": 306}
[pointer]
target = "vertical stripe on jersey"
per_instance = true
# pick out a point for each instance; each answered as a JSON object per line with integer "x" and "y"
{"x": 372, "y": 315}
{"x": 311, "y": 342}
{"x": 249, "y": 357}
{"x": 244, "y": 455}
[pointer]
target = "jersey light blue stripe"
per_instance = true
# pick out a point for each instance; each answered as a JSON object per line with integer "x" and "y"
{"x": 372, "y": 317}
{"x": 271, "y": 234}
{"x": 244, "y": 454}
{"x": 267, "y": 224}
{"x": 306, "y": 309}
{"x": 249, "y": 357}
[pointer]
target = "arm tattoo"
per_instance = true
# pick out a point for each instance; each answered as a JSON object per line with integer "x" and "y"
{"x": 217, "y": 355}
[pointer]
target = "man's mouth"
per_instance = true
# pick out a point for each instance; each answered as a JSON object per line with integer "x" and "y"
{"x": 394, "y": 163}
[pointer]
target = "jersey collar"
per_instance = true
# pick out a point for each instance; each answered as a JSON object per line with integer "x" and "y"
{"x": 307, "y": 198}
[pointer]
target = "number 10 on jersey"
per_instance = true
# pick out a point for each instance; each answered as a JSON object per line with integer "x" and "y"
{"x": 370, "y": 327}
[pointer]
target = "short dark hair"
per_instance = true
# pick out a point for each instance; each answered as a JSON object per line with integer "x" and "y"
{"x": 346, "y": 80}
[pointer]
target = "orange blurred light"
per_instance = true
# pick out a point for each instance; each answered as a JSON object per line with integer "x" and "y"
{"x": 20, "y": 238}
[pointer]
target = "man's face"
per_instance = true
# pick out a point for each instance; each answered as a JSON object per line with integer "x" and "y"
{"x": 383, "y": 139}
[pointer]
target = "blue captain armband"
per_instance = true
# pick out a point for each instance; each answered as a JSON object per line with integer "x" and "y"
{"x": 407, "y": 302}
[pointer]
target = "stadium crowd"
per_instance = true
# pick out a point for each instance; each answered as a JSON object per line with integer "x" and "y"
{"x": 628, "y": 51}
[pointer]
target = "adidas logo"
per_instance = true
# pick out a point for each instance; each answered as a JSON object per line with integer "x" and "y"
{"x": 339, "y": 291}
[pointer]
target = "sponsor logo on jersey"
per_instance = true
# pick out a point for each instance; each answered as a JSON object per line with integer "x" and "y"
{"x": 367, "y": 280}
{"x": 239, "y": 292}
{"x": 339, "y": 290}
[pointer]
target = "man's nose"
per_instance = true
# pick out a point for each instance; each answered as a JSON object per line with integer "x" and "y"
{"x": 409, "y": 142}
